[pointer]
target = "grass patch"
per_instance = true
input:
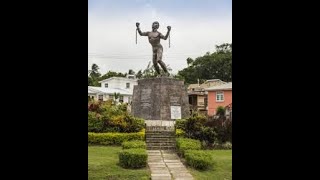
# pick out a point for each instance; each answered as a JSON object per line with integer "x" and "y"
{"x": 103, "y": 163}
{"x": 222, "y": 169}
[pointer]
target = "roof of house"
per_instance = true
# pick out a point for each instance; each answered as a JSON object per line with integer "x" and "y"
{"x": 207, "y": 84}
{"x": 213, "y": 80}
{"x": 90, "y": 91}
{"x": 193, "y": 86}
{"x": 94, "y": 89}
{"x": 119, "y": 78}
{"x": 226, "y": 86}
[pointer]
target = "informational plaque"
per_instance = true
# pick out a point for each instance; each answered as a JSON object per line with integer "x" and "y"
{"x": 175, "y": 112}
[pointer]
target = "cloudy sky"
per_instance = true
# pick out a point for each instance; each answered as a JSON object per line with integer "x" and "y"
{"x": 197, "y": 26}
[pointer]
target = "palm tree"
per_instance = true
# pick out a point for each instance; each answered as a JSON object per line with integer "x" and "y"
{"x": 116, "y": 97}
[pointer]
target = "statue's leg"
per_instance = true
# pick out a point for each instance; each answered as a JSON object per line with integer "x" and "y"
{"x": 159, "y": 60}
{"x": 154, "y": 60}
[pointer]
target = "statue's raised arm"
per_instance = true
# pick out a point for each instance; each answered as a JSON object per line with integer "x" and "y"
{"x": 139, "y": 31}
{"x": 168, "y": 32}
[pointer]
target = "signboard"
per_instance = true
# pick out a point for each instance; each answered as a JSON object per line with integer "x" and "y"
{"x": 175, "y": 112}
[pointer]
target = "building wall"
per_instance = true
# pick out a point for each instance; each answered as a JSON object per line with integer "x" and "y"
{"x": 213, "y": 104}
{"x": 200, "y": 100}
{"x": 120, "y": 83}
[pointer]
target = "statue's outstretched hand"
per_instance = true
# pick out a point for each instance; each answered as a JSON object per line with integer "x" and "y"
{"x": 169, "y": 28}
{"x": 137, "y": 24}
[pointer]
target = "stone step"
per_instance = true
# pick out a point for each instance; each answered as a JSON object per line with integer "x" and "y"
{"x": 159, "y": 128}
{"x": 161, "y": 144}
{"x": 160, "y": 132}
{"x": 159, "y": 136}
{"x": 158, "y": 145}
{"x": 154, "y": 140}
{"x": 161, "y": 148}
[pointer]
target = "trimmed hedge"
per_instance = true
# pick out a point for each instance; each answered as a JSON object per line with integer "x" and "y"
{"x": 198, "y": 159}
{"x": 113, "y": 138}
{"x": 134, "y": 144}
{"x": 133, "y": 158}
{"x": 184, "y": 144}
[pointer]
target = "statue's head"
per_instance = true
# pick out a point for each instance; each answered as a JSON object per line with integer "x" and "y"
{"x": 155, "y": 25}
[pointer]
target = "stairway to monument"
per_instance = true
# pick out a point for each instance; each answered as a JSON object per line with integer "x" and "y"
{"x": 160, "y": 138}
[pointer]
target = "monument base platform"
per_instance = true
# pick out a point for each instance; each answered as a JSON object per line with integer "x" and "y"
{"x": 160, "y": 98}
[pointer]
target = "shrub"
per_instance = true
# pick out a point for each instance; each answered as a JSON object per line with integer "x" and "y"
{"x": 94, "y": 106}
{"x": 180, "y": 133}
{"x": 106, "y": 117}
{"x": 193, "y": 126}
{"x": 222, "y": 127}
{"x": 113, "y": 138}
{"x": 95, "y": 122}
{"x": 227, "y": 145}
{"x": 134, "y": 144}
{"x": 180, "y": 124}
{"x": 220, "y": 111}
{"x": 199, "y": 159}
{"x": 134, "y": 124}
{"x": 133, "y": 158}
{"x": 184, "y": 144}
{"x": 208, "y": 135}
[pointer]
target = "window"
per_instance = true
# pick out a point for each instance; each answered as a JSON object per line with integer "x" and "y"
{"x": 100, "y": 97}
{"x": 111, "y": 97}
{"x": 121, "y": 99}
{"x": 219, "y": 97}
{"x": 128, "y": 85}
{"x": 106, "y": 85}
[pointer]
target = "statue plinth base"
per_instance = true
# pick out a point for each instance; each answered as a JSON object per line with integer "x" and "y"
{"x": 161, "y": 98}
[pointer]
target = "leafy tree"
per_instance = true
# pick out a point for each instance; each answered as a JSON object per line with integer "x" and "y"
{"x": 139, "y": 74}
{"x": 217, "y": 65}
{"x": 131, "y": 72}
{"x": 94, "y": 75}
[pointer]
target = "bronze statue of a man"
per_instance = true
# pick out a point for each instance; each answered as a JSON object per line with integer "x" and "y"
{"x": 154, "y": 39}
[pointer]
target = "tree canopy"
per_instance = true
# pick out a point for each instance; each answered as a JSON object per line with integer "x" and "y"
{"x": 217, "y": 65}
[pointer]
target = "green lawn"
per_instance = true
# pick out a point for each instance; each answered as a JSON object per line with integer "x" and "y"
{"x": 103, "y": 164}
{"x": 222, "y": 169}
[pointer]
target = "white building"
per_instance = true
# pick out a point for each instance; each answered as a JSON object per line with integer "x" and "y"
{"x": 121, "y": 85}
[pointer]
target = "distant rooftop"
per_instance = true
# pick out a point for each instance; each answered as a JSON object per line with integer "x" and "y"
{"x": 206, "y": 84}
{"x": 129, "y": 77}
{"x": 93, "y": 89}
{"x": 226, "y": 86}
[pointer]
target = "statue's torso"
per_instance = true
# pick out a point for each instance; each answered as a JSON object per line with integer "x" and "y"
{"x": 154, "y": 38}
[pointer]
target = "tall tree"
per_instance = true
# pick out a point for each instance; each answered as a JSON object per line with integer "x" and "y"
{"x": 217, "y": 65}
{"x": 110, "y": 74}
{"x": 131, "y": 72}
{"x": 93, "y": 78}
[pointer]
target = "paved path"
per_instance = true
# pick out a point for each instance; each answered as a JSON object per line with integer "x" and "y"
{"x": 166, "y": 165}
